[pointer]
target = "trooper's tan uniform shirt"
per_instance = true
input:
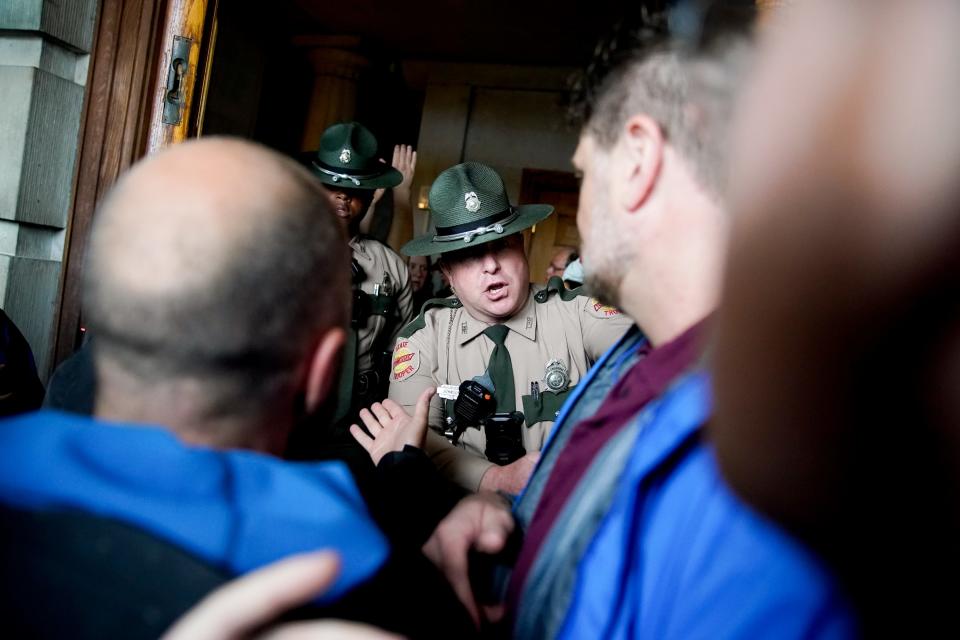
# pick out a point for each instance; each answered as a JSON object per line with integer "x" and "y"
{"x": 382, "y": 266}
{"x": 450, "y": 347}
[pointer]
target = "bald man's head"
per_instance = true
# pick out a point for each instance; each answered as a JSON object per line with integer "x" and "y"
{"x": 215, "y": 261}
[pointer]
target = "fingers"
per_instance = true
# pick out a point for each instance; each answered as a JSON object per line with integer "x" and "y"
{"x": 405, "y": 161}
{"x": 481, "y": 521}
{"x": 326, "y": 630}
{"x": 370, "y": 422}
{"x": 453, "y": 550}
{"x": 394, "y": 409}
{"x": 403, "y": 156}
{"x": 495, "y": 523}
{"x": 365, "y": 441}
{"x": 254, "y": 600}
{"x": 381, "y": 413}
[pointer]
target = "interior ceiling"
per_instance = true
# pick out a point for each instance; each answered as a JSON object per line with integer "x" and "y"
{"x": 538, "y": 32}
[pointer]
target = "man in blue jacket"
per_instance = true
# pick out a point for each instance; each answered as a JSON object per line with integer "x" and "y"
{"x": 628, "y": 529}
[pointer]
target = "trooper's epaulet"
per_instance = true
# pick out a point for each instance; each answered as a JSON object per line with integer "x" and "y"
{"x": 421, "y": 320}
{"x": 555, "y": 285}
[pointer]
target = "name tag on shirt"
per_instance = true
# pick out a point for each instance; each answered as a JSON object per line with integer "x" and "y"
{"x": 448, "y": 391}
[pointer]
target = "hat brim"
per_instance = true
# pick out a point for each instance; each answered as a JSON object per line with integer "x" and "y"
{"x": 528, "y": 215}
{"x": 386, "y": 180}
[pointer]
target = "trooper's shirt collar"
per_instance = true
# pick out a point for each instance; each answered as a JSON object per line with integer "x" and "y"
{"x": 523, "y": 322}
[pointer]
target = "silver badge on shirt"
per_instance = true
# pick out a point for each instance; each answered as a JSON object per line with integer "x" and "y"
{"x": 556, "y": 376}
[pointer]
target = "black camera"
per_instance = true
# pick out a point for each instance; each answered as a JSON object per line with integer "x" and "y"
{"x": 475, "y": 406}
{"x": 504, "y": 437}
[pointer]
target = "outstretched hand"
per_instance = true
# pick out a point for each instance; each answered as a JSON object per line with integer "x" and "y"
{"x": 391, "y": 427}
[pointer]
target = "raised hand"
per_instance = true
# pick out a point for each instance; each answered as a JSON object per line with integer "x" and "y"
{"x": 405, "y": 161}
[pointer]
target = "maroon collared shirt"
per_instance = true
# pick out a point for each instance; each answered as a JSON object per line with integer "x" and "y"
{"x": 641, "y": 383}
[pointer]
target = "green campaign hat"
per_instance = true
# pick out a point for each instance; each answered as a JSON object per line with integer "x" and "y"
{"x": 469, "y": 206}
{"x": 347, "y": 157}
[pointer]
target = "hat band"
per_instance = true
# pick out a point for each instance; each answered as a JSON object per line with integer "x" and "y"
{"x": 338, "y": 176}
{"x": 467, "y": 232}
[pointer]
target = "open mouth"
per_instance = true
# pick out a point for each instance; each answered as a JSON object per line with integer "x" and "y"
{"x": 496, "y": 290}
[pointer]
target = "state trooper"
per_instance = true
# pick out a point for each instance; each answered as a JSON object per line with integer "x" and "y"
{"x": 347, "y": 165}
{"x": 525, "y": 346}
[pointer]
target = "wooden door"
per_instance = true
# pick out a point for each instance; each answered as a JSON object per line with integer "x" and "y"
{"x": 560, "y": 189}
{"x": 122, "y": 118}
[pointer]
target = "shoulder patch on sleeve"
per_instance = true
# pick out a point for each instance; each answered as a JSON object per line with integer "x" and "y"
{"x": 405, "y": 361}
{"x": 600, "y": 310}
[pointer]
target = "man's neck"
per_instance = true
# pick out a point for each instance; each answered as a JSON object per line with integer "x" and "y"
{"x": 665, "y": 321}
{"x": 679, "y": 282}
{"x": 173, "y": 410}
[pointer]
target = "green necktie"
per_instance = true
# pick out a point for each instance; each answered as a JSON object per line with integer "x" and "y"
{"x": 500, "y": 369}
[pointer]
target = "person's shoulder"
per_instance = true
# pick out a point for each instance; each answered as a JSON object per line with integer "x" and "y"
{"x": 383, "y": 249}
{"x": 574, "y": 301}
{"x": 429, "y": 315}
{"x": 555, "y": 293}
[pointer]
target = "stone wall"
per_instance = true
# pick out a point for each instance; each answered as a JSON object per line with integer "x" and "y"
{"x": 44, "y": 56}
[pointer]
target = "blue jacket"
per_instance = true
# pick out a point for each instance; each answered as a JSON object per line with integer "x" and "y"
{"x": 654, "y": 544}
{"x": 237, "y": 510}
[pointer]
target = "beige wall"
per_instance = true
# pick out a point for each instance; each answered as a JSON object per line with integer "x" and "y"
{"x": 509, "y": 117}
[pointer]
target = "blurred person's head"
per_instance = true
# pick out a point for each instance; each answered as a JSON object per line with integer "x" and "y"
{"x": 562, "y": 257}
{"x": 478, "y": 237}
{"x": 837, "y": 359}
{"x": 216, "y": 285}
{"x": 419, "y": 268}
{"x": 651, "y": 150}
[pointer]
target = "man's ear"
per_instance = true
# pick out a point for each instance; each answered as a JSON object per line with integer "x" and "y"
{"x": 445, "y": 270}
{"x": 322, "y": 372}
{"x": 642, "y": 148}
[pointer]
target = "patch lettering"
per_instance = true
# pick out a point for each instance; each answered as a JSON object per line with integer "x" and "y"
{"x": 405, "y": 362}
{"x": 601, "y": 310}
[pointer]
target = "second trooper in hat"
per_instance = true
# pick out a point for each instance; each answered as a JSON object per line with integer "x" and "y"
{"x": 525, "y": 347}
{"x": 347, "y": 165}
